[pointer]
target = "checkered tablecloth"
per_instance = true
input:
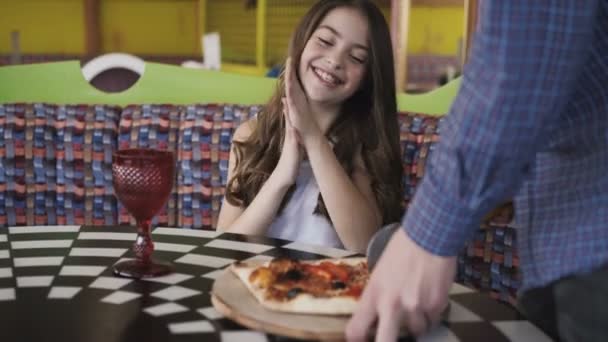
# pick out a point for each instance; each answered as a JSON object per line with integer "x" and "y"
{"x": 56, "y": 284}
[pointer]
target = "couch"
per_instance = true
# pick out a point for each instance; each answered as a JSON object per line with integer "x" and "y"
{"x": 58, "y": 133}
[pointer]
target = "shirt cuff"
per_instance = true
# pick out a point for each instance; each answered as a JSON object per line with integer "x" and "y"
{"x": 437, "y": 223}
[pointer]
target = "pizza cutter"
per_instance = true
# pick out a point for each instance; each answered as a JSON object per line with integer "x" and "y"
{"x": 378, "y": 242}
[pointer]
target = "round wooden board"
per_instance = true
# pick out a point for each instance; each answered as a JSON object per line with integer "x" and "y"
{"x": 232, "y": 299}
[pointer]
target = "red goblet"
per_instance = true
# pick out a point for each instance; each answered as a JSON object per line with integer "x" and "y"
{"x": 142, "y": 180}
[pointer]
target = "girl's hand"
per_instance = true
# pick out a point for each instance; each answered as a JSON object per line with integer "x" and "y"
{"x": 298, "y": 109}
{"x": 288, "y": 166}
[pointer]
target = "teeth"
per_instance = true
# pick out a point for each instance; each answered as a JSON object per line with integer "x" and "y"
{"x": 326, "y": 76}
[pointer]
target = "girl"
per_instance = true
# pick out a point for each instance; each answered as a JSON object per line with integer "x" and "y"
{"x": 321, "y": 163}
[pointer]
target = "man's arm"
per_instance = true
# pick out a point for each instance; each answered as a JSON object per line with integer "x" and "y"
{"x": 525, "y": 60}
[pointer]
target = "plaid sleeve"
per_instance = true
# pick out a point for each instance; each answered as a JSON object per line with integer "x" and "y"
{"x": 525, "y": 59}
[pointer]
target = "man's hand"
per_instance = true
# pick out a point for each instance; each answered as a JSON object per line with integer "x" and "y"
{"x": 408, "y": 286}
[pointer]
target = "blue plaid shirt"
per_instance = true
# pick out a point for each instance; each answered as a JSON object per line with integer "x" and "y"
{"x": 531, "y": 123}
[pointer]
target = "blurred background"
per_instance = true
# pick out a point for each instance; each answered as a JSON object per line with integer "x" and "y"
{"x": 245, "y": 36}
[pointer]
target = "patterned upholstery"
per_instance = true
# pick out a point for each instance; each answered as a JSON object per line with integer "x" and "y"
{"x": 56, "y": 169}
{"x": 28, "y": 157}
{"x": 489, "y": 262}
{"x": 151, "y": 126}
{"x": 55, "y": 164}
{"x": 205, "y": 135}
{"x": 418, "y": 133}
{"x": 85, "y": 141}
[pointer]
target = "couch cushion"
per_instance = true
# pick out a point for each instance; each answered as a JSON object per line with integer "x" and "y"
{"x": 56, "y": 161}
{"x": 151, "y": 126}
{"x": 205, "y": 135}
{"x": 419, "y": 132}
{"x": 489, "y": 261}
{"x": 28, "y": 159}
{"x": 85, "y": 139}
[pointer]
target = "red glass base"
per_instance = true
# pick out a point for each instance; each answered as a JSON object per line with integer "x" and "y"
{"x": 138, "y": 269}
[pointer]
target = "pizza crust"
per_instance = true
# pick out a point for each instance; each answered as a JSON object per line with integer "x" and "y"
{"x": 303, "y": 303}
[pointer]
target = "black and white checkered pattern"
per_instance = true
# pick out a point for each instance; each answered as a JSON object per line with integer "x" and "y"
{"x": 56, "y": 283}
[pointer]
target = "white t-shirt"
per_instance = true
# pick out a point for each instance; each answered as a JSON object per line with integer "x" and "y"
{"x": 298, "y": 222}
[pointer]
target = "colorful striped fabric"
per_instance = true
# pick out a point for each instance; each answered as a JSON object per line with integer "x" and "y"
{"x": 488, "y": 262}
{"x": 205, "y": 135}
{"x": 56, "y": 163}
{"x": 85, "y": 141}
{"x": 200, "y": 136}
{"x": 28, "y": 157}
{"x": 418, "y": 134}
{"x": 56, "y": 169}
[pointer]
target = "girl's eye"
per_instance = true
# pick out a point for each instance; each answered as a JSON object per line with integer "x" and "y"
{"x": 357, "y": 59}
{"x": 324, "y": 42}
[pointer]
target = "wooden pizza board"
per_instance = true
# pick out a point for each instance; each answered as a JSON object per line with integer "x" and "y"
{"x": 232, "y": 299}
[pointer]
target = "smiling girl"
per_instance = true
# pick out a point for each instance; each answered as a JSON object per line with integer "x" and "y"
{"x": 321, "y": 163}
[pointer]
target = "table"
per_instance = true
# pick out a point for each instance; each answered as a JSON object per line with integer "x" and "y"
{"x": 56, "y": 284}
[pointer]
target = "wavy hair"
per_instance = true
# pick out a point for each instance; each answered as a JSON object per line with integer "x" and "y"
{"x": 367, "y": 122}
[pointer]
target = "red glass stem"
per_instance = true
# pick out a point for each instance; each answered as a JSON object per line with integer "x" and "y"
{"x": 143, "y": 246}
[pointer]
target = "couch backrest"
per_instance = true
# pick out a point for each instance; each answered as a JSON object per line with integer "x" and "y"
{"x": 57, "y": 159}
{"x": 55, "y": 147}
{"x": 200, "y": 136}
{"x": 155, "y": 112}
{"x": 63, "y": 82}
{"x": 55, "y": 164}
{"x": 419, "y": 132}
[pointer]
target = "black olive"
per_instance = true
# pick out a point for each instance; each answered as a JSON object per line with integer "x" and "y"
{"x": 293, "y": 274}
{"x": 293, "y": 292}
{"x": 338, "y": 285}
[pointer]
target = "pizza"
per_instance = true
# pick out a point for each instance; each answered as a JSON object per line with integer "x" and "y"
{"x": 326, "y": 286}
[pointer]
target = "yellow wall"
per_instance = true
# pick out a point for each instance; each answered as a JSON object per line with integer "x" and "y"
{"x": 283, "y": 16}
{"x": 169, "y": 27}
{"x": 236, "y": 26}
{"x": 45, "y": 27}
{"x": 160, "y": 27}
{"x": 435, "y": 30}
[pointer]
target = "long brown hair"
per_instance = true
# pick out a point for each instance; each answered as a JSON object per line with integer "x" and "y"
{"x": 367, "y": 121}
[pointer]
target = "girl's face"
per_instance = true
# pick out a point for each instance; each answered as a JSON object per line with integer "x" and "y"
{"x": 334, "y": 59}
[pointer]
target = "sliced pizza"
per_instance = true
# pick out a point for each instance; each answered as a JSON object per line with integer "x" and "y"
{"x": 326, "y": 286}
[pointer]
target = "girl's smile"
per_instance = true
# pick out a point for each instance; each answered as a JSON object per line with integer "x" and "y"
{"x": 334, "y": 59}
{"x": 327, "y": 78}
